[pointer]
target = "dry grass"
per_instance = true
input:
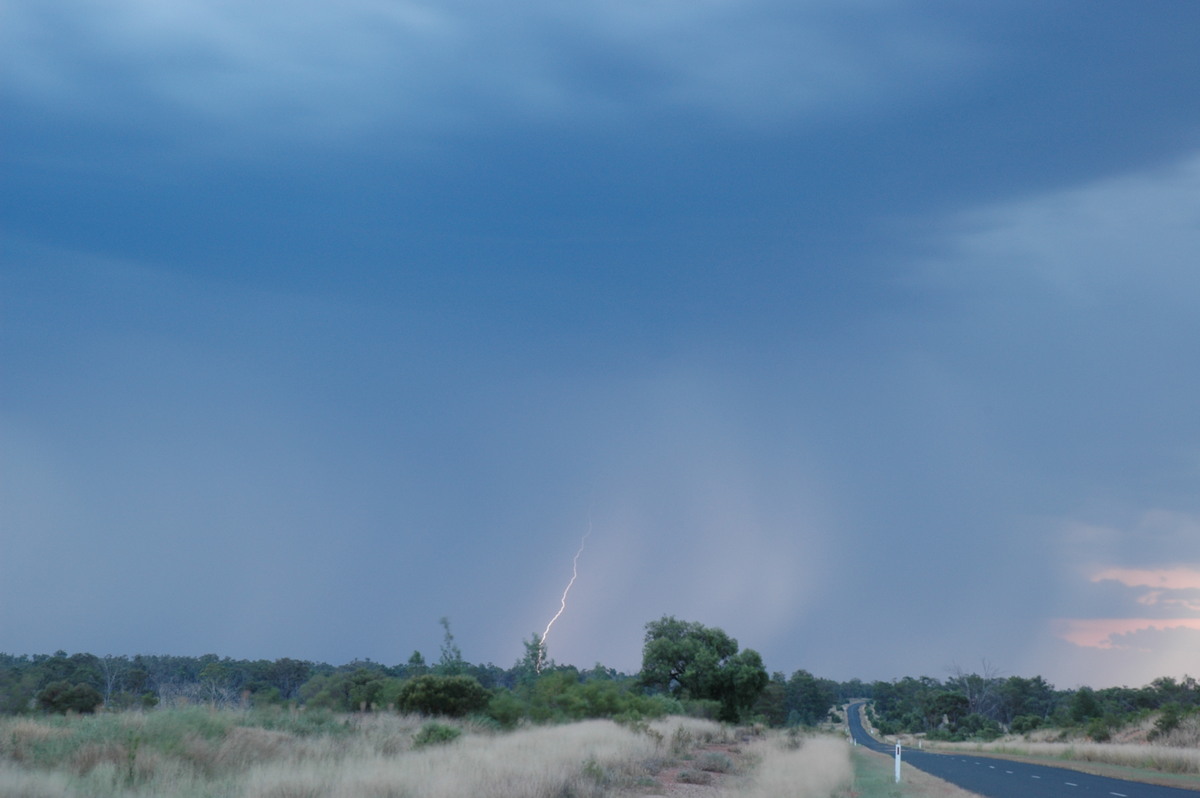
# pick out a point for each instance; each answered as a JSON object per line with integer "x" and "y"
{"x": 582, "y": 759}
{"x": 195, "y": 753}
{"x": 820, "y": 766}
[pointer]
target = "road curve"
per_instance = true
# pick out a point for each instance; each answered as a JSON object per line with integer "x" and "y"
{"x": 1002, "y": 778}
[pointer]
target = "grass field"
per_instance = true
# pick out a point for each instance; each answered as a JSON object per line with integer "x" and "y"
{"x": 201, "y": 753}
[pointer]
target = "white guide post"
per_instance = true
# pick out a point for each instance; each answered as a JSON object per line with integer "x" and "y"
{"x": 897, "y": 763}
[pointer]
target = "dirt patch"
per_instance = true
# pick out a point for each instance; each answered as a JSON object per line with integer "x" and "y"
{"x": 705, "y": 771}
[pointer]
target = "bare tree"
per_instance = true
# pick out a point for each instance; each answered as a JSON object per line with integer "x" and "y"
{"x": 112, "y": 670}
{"x": 983, "y": 692}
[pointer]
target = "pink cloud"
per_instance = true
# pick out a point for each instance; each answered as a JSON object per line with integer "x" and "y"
{"x": 1099, "y": 632}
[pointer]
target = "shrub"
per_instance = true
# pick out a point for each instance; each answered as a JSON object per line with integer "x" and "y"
{"x": 452, "y": 696}
{"x": 1168, "y": 721}
{"x": 1023, "y": 724}
{"x": 682, "y": 741}
{"x": 435, "y": 734}
{"x": 979, "y": 726}
{"x": 506, "y": 709}
{"x": 1098, "y": 730}
{"x": 361, "y": 689}
{"x": 63, "y": 697}
{"x": 715, "y": 762}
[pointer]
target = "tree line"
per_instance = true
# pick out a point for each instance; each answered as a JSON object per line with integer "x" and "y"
{"x": 687, "y": 668}
{"x": 985, "y": 706}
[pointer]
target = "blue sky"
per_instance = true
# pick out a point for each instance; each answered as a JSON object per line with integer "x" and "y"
{"x": 864, "y": 331}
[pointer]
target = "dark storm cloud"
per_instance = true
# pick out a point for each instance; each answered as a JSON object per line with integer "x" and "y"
{"x": 359, "y": 312}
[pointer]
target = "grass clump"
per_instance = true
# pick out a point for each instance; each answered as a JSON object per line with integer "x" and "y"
{"x": 715, "y": 762}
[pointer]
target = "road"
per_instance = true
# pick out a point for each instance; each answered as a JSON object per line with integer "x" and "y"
{"x": 1002, "y": 778}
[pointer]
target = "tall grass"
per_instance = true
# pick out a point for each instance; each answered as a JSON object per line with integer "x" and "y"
{"x": 818, "y": 767}
{"x": 201, "y": 753}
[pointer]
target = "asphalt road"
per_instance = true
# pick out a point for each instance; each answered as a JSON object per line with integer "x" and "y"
{"x": 1001, "y": 778}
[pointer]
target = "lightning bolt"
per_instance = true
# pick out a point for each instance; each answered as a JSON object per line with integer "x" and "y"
{"x": 563, "y": 602}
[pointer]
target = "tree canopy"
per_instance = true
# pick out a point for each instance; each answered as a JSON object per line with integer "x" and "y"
{"x": 690, "y": 660}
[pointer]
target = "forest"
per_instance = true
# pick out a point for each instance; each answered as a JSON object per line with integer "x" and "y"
{"x": 688, "y": 669}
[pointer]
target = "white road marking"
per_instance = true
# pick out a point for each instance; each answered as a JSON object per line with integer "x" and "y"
{"x": 1119, "y": 794}
{"x": 1070, "y": 784}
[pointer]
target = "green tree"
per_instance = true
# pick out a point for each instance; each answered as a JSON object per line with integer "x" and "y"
{"x": 810, "y": 698}
{"x": 360, "y": 689}
{"x": 65, "y": 697}
{"x": 451, "y": 662}
{"x": 1029, "y": 697}
{"x": 452, "y": 696}
{"x": 1084, "y": 705}
{"x": 742, "y": 681}
{"x": 690, "y": 660}
{"x": 526, "y": 670}
{"x": 287, "y": 675}
{"x": 416, "y": 665}
{"x": 772, "y": 703}
{"x": 1168, "y": 721}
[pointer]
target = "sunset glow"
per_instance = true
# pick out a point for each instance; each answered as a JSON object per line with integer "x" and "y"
{"x": 1099, "y": 632}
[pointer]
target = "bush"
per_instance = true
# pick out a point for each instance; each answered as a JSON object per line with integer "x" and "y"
{"x": 976, "y": 725}
{"x": 1098, "y": 730}
{"x": 715, "y": 762}
{"x": 451, "y": 696}
{"x": 435, "y": 734}
{"x": 506, "y": 709}
{"x": 63, "y": 697}
{"x": 1023, "y": 724}
{"x": 1168, "y": 721}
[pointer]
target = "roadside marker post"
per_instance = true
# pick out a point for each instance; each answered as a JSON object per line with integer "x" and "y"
{"x": 897, "y": 763}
